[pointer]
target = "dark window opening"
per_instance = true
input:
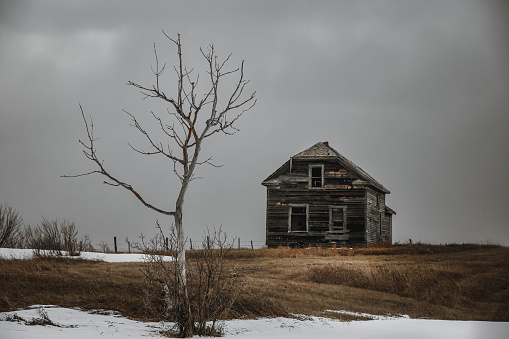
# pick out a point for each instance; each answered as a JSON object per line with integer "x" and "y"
{"x": 337, "y": 219}
{"x": 298, "y": 219}
{"x": 316, "y": 176}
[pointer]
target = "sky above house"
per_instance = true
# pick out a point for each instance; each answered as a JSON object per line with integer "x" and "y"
{"x": 416, "y": 93}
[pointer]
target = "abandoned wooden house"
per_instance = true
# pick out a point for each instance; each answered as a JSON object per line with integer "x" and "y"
{"x": 320, "y": 198}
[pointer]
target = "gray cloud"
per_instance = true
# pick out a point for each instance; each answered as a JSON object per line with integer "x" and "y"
{"x": 413, "y": 92}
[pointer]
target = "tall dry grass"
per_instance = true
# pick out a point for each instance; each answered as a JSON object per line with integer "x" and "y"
{"x": 454, "y": 282}
{"x": 72, "y": 283}
{"x": 435, "y": 283}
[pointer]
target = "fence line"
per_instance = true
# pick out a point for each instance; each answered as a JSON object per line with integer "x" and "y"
{"x": 119, "y": 246}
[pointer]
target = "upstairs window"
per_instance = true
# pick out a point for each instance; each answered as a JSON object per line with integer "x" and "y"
{"x": 316, "y": 176}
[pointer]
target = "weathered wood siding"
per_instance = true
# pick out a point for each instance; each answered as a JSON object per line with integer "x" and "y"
{"x": 378, "y": 225}
{"x": 339, "y": 190}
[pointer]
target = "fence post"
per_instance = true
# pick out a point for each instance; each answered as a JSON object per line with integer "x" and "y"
{"x": 208, "y": 242}
{"x": 166, "y": 244}
{"x": 115, "y": 242}
{"x": 191, "y": 244}
{"x": 252, "y": 245}
{"x": 238, "y": 239}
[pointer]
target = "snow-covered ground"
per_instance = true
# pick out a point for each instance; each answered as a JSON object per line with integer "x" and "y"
{"x": 14, "y": 253}
{"x": 77, "y": 324}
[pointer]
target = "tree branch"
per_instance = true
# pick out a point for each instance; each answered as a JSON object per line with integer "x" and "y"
{"x": 90, "y": 153}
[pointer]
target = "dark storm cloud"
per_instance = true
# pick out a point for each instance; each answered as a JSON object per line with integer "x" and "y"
{"x": 414, "y": 92}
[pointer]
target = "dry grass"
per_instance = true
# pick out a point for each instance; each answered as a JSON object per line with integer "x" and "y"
{"x": 461, "y": 282}
{"x": 72, "y": 283}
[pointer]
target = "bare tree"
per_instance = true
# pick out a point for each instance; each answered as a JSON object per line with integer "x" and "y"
{"x": 192, "y": 119}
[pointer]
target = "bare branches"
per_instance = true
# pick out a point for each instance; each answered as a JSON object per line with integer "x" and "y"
{"x": 90, "y": 153}
{"x": 186, "y": 109}
{"x": 187, "y": 122}
{"x": 218, "y": 118}
{"x": 189, "y": 119}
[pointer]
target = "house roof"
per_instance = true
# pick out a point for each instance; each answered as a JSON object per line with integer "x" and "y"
{"x": 322, "y": 149}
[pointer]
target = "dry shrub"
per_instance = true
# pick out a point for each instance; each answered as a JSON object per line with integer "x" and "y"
{"x": 54, "y": 238}
{"x": 10, "y": 223}
{"x": 210, "y": 289}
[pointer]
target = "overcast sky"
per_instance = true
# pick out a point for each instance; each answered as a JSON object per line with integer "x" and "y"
{"x": 414, "y": 92}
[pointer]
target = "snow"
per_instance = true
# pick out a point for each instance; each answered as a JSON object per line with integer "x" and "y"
{"x": 78, "y": 324}
{"x": 14, "y": 253}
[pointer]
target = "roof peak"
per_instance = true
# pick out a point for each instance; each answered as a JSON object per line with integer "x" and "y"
{"x": 320, "y": 149}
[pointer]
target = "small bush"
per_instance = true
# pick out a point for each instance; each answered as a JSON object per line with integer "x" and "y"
{"x": 55, "y": 238}
{"x": 10, "y": 223}
{"x": 210, "y": 290}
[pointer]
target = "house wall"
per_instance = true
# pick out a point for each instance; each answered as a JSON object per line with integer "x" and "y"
{"x": 378, "y": 223}
{"x": 339, "y": 190}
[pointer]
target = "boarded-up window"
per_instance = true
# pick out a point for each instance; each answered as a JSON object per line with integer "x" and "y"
{"x": 298, "y": 219}
{"x": 316, "y": 176}
{"x": 337, "y": 218}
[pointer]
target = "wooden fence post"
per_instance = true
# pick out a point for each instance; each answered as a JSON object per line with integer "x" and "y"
{"x": 190, "y": 244}
{"x": 115, "y": 242}
{"x": 238, "y": 239}
{"x": 252, "y": 245}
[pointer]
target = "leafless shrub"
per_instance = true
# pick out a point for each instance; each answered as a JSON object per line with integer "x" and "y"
{"x": 10, "y": 223}
{"x": 42, "y": 320}
{"x": 55, "y": 238}
{"x": 211, "y": 283}
{"x": 85, "y": 244}
{"x": 104, "y": 247}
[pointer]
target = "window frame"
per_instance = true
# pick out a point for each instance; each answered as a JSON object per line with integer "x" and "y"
{"x": 311, "y": 176}
{"x": 290, "y": 212}
{"x": 331, "y": 222}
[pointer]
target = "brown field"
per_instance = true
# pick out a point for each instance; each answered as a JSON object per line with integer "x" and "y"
{"x": 457, "y": 282}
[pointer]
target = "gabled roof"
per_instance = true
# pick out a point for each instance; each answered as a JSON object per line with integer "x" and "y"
{"x": 322, "y": 149}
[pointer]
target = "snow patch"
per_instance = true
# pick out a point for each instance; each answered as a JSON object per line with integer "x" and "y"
{"x": 78, "y": 324}
{"x": 15, "y": 253}
{"x": 372, "y": 316}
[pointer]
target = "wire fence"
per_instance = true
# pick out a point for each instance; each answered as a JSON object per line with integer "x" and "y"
{"x": 126, "y": 246}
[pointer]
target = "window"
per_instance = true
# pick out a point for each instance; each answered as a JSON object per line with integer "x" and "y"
{"x": 337, "y": 218}
{"x": 316, "y": 176}
{"x": 298, "y": 219}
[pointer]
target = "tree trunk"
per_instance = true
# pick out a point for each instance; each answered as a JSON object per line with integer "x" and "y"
{"x": 186, "y": 327}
